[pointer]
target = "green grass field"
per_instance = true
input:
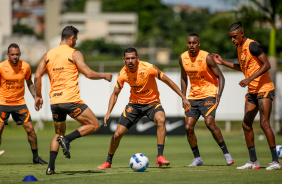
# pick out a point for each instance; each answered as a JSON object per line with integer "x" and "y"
{"x": 90, "y": 151}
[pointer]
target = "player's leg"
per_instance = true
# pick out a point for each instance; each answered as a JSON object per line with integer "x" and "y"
{"x": 265, "y": 106}
{"x": 217, "y": 135}
{"x": 251, "y": 110}
{"x": 60, "y": 129}
{"x": 130, "y": 116}
{"x": 192, "y": 140}
{"x": 2, "y": 125}
{"x": 115, "y": 140}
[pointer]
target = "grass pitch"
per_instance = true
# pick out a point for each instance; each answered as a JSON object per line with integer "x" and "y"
{"x": 89, "y": 152}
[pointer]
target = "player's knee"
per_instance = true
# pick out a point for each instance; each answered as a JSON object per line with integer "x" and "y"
{"x": 160, "y": 122}
{"x": 189, "y": 129}
{"x": 264, "y": 124}
{"x": 246, "y": 127}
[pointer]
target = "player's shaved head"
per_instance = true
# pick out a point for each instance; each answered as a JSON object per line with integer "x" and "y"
{"x": 235, "y": 26}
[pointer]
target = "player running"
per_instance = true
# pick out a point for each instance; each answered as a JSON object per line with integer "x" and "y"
{"x": 144, "y": 101}
{"x": 254, "y": 64}
{"x": 13, "y": 73}
{"x": 63, "y": 64}
{"x": 207, "y": 83}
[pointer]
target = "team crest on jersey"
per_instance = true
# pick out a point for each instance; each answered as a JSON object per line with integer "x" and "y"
{"x": 3, "y": 114}
{"x": 200, "y": 62}
{"x": 129, "y": 109}
{"x": 142, "y": 75}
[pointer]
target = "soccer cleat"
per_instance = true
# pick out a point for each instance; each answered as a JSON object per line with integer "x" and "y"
{"x": 274, "y": 166}
{"x": 2, "y": 152}
{"x": 229, "y": 160}
{"x": 162, "y": 161}
{"x": 105, "y": 165}
{"x": 65, "y": 146}
{"x": 250, "y": 165}
{"x": 39, "y": 160}
{"x": 50, "y": 171}
{"x": 197, "y": 162}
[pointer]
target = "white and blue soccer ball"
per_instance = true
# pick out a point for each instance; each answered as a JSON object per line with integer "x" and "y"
{"x": 279, "y": 151}
{"x": 139, "y": 162}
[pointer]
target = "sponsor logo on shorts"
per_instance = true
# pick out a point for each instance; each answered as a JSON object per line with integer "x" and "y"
{"x": 22, "y": 111}
{"x": 209, "y": 103}
{"x": 129, "y": 109}
{"x": 3, "y": 114}
{"x": 55, "y": 115}
{"x": 76, "y": 112}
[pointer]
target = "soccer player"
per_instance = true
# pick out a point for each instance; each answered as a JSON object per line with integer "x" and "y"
{"x": 254, "y": 64}
{"x": 144, "y": 101}
{"x": 63, "y": 64}
{"x": 207, "y": 83}
{"x": 13, "y": 73}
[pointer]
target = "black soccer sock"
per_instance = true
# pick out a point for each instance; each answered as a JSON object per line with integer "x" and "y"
{"x": 110, "y": 158}
{"x": 274, "y": 154}
{"x": 34, "y": 152}
{"x": 53, "y": 156}
{"x": 75, "y": 134}
{"x": 195, "y": 151}
{"x": 223, "y": 147}
{"x": 252, "y": 153}
{"x": 160, "y": 149}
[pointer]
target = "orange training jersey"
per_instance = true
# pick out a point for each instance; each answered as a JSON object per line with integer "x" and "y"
{"x": 63, "y": 75}
{"x": 144, "y": 89}
{"x": 203, "y": 81}
{"x": 249, "y": 65}
{"x": 12, "y": 79}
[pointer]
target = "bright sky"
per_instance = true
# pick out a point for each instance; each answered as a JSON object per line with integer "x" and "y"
{"x": 212, "y": 4}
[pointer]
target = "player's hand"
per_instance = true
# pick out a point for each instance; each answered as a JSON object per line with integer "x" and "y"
{"x": 38, "y": 103}
{"x": 217, "y": 58}
{"x": 108, "y": 115}
{"x": 108, "y": 77}
{"x": 244, "y": 83}
{"x": 186, "y": 105}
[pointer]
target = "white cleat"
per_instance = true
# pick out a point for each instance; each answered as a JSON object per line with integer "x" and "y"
{"x": 2, "y": 152}
{"x": 274, "y": 166}
{"x": 197, "y": 162}
{"x": 229, "y": 160}
{"x": 250, "y": 165}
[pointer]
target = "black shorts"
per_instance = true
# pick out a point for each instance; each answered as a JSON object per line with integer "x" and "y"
{"x": 20, "y": 114}
{"x": 253, "y": 98}
{"x": 60, "y": 111}
{"x": 205, "y": 107}
{"x": 134, "y": 112}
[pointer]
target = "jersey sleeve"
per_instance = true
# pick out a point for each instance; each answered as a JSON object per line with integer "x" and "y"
{"x": 156, "y": 72}
{"x": 255, "y": 49}
{"x": 28, "y": 73}
{"x": 120, "y": 81}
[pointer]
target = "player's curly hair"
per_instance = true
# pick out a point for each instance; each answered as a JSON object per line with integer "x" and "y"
{"x": 235, "y": 26}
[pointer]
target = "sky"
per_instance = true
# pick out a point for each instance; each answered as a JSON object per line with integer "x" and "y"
{"x": 214, "y": 5}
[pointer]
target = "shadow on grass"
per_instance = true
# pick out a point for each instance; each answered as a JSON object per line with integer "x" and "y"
{"x": 19, "y": 164}
{"x": 78, "y": 172}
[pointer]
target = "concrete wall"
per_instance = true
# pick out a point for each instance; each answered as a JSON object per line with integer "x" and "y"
{"x": 96, "y": 95}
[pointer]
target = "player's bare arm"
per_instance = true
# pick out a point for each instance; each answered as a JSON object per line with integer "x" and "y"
{"x": 41, "y": 68}
{"x": 184, "y": 78}
{"x": 174, "y": 87}
{"x": 31, "y": 87}
{"x": 86, "y": 71}
{"x": 217, "y": 58}
{"x": 217, "y": 72}
{"x": 112, "y": 103}
{"x": 264, "y": 68}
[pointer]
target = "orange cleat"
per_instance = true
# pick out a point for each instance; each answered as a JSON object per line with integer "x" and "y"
{"x": 105, "y": 165}
{"x": 162, "y": 161}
